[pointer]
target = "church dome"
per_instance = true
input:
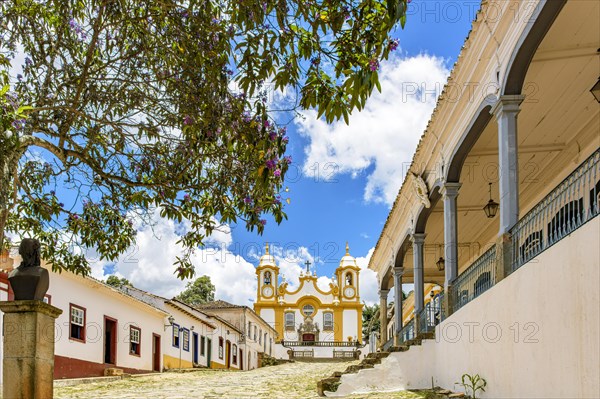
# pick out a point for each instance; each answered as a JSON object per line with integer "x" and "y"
{"x": 267, "y": 259}
{"x": 348, "y": 260}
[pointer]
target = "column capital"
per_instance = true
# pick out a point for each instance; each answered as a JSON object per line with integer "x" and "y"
{"x": 450, "y": 190}
{"x": 418, "y": 238}
{"x": 507, "y": 103}
{"x": 383, "y": 294}
{"x": 398, "y": 271}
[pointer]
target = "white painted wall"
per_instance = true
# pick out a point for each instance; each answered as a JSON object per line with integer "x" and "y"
{"x": 350, "y": 324}
{"x": 536, "y": 335}
{"x": 101, "y": 301}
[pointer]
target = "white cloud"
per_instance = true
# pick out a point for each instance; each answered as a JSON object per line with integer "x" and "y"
{"x": 385, "y": 134}
{"x": 150, "y": 265}
{"x": 369, "y": 287}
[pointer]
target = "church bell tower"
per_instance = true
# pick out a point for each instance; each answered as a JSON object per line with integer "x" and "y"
{"x": 267, "y": 274}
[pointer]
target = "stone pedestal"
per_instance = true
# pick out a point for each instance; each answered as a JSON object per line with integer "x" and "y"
{"x": 29, "y": 336}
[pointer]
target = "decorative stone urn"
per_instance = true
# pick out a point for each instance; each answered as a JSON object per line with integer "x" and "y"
{"x": 29, "y": 280}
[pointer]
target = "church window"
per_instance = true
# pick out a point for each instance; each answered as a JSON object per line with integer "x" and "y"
{"x": 290, "y": 323}
{"x": 234, "y": 354}
{"x": 327, "y": 321}
{"x": 134, "y": 340}
{"x": 308, "y": 310}
{"x": 220, "y": 347}
{"x": 267, "y": 278}
{"x": 348, "y": 278}
{"x": 77, "y": 323}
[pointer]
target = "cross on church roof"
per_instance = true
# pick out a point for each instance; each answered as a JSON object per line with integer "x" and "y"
{"x": 307, "y": 263}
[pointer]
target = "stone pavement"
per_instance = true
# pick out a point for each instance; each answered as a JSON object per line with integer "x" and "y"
{"x": 286, "y": 381}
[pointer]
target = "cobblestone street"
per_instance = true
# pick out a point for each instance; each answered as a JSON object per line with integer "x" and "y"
{"x": 297, "y": 380}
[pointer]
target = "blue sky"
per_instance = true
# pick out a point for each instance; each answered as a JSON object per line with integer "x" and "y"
{"x": 324, "y": 212}
{"x": 343, "y": 181}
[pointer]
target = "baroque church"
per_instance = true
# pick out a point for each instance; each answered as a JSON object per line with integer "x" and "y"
{"x": 309, "y": 316}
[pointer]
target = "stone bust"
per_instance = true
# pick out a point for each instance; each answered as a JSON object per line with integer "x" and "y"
{"x": 29, "y": 280}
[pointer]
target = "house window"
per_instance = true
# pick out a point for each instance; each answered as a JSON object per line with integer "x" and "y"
{"x": 186, "y": 339}
{"x": 290, "y": 323}
{"x": 255, "y": 333}
{"x": 327, "y": 321}
{"x": 260, "y": 337}
{"x": 249, "y": 330}
{"x": 202, "y": 344}
{"x": 77, "y": 323}
{"x": 267, "y": 278}
{"x": 176, "y": 335}
{"x": 220, "y": 347}
{"x": 234, "y": 354}
{"x": 348, "y": 278}
{"x": 265, "y": 343}
{"x": 134, "y": 340}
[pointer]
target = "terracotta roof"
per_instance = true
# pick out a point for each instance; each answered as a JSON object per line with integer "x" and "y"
{"x": 218, "y": 304}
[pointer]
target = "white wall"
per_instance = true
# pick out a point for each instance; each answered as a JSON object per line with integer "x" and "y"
{"x": 99, "y": 301}
{"x": 537, "y": 333}
{"x": 350, "y": 324}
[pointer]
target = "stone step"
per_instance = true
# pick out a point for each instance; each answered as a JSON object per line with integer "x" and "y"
{"x": 113, "y": 371}
{"x": 378, "y": 355}
{"x": 329, "y": 384}
{"x": 371, "y": 361}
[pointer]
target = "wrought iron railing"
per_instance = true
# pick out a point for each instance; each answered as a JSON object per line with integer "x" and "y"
{"x": 572, "y": 203}
{"x": 475, "y": 280}
{"x": 389, "y": 343}
{"x": 443, "y": 300}
{"x": 429, "y": 317}
{"x": 322, "y": 343}
{"x": 408, "y": 331}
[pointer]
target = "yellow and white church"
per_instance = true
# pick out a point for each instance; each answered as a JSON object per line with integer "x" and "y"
{"x": 309, "y": 316}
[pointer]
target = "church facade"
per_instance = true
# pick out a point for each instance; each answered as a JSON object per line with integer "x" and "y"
{"x": 309, "y": 316}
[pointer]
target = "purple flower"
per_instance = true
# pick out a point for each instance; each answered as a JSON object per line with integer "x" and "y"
{"x": 247, "y": 200}
{"x": 72, "y": 23}
{"x": 19, "y": 76}
{"x": 277, "y": 173}
{"x": 188, "y": 120}
{"x": 272, "y": 136}
{"x": 186, "y": 197}
{"x": 393, "y": 45}
{"x": 62, "y": 205}
{"x": 373, "y": 65}
{"x": 287, "y": 159}
{"x": 271, "y": 164}
{"x": 28, "y": 61}
{"x": 266, "y": 124}
{"x": 263, "y": 221}
{"x": 285, "y": 139}
{"x": 52, "y": 192}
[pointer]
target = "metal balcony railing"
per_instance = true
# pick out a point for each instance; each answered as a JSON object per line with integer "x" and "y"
{"x": 408, "y": 331}
{"x": 572, "y": 203}
{"x": 322, "y": 343}
{"x": 429, "y": 317}
{"x": 475, "y": 280}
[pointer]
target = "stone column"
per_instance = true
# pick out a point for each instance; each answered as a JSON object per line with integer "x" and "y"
{"x": 418, "y": 241}
{"x": 450, "y": 193}
{"x": 28, "y": 365}
{"x": 383, "y": 316}
{"x": 506, "y": 111}
{"x": 398, "y": 272}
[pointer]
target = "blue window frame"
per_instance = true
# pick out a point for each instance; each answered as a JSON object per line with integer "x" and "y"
{"x": 186, "y": 339}
{"x": 176, "y": 335}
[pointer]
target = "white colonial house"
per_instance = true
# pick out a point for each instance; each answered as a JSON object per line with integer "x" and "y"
{"x": 309, "y": 321}
{"x": 250, "y": 336}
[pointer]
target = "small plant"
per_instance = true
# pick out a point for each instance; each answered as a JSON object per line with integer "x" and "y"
{"x": 474, "y": 383}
